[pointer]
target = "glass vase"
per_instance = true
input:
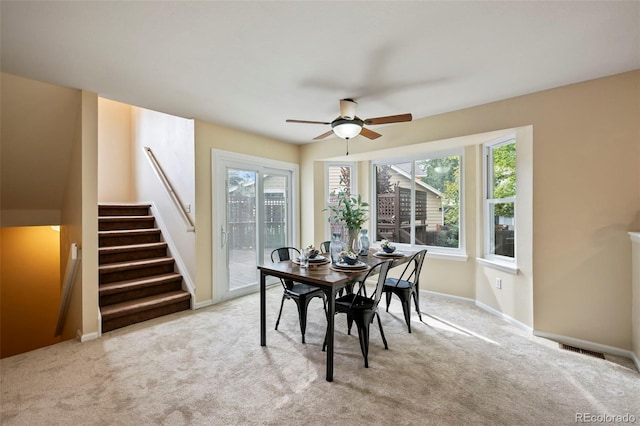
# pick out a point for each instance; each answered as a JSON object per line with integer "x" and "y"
{"x": 335, "y": 248}
{"x": 354, "y": 240}
{"x": 363, "y": 243}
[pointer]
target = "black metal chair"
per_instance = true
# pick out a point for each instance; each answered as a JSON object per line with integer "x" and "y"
{"x": 362, "y": 308}
{"x": 406, "y": 285}
{"x": 324, "y": 247}
{"x": 298, "y": 292}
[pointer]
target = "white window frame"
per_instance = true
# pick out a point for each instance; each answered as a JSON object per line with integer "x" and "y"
{"x": 448, "y": 253}
{"x": 488, "y": 226}
{"x": 353, "y": 185}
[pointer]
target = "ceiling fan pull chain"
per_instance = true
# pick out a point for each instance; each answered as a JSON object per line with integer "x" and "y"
{"x": 347, "y": 146}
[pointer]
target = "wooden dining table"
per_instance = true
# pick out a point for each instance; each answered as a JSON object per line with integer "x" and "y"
{"x": 330, "y": 280}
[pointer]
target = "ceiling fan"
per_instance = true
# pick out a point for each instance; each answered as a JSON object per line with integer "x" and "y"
{"x": 348, "y": 125}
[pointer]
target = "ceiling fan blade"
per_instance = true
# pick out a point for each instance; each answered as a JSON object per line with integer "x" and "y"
{"x": 389, "y": 119}
{"x": 308, "y": 122}
{"x": 324, "y": 135}
{"x": 369, "y": 133}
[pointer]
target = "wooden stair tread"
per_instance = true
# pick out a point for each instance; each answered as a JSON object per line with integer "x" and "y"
{"x": 118, "y": 232}
{"x": 133, "y": 264}
{"x": 128, "y": 217}
{"x": 123, "y": 205}
{"x": 131, "y": 247}
{"x": 142, "y": 304}
{"x": 137, "y": 278}
{"x": 119, "y": 286}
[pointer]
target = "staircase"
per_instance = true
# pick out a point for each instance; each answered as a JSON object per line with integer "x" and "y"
{"x": 137, "y": 279}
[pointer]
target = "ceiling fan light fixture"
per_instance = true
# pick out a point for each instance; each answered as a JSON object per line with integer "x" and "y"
{"x": 347, "y": 129}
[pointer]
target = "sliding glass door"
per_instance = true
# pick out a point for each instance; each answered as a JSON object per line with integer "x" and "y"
{"x": 256, "y": 216}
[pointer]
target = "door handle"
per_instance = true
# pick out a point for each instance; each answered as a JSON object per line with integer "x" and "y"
{"x": 223, "y": 237}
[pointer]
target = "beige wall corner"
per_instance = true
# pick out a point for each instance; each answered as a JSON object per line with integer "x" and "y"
{"x": 115, "y": 182}
{"x": 89, "y": 205}
{"x": 635, "y": 297}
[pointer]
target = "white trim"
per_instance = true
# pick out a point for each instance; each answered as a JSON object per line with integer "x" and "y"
{"x": 501, "y": 266}
{"x": 635, "y": 237}
{"x": 220, "y": 160}
{"x": 353, "y": 188}
{"x": 458, "y": 253}
{"x": 488, "y": 243}
{"x": 450, "y": 296}
{"x": 505, "y": 317}
{"x": 203, "y": 304}
{"x": 173, "y": 251}
{"x": 591, "y": 346}
{"x": 486, "y": 308}
{"x": 457, "y": 257}
{"x": 86, "y": 337}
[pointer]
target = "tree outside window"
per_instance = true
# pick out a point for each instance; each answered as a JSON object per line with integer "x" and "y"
{"x": 500, "y": 198}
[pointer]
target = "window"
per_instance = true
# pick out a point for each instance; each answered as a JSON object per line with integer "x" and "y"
{"x": 500, "y": 199}
{"x": 340, "y": 178}
{"x": 417, "y": 201}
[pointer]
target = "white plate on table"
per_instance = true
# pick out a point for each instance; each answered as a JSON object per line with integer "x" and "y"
{"x": 356, "y": 266}
{"x": 318, "y": 259}
{"x": 385, "y": 254}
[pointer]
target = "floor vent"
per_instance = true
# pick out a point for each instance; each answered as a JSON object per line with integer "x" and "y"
{"x": 582, "y": 351}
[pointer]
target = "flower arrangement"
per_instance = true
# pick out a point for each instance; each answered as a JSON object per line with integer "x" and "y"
{"x": 312, "y": 252}
{"x": 349, "y": 257}
{"x": 387, "y": 246}
{"x": 350, "y": 210}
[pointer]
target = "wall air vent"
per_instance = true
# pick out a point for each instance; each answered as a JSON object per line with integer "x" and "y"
{"x": 582, "y": 351}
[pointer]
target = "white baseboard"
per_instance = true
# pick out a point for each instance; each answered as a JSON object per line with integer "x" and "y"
{"x": 86, "y": 337}
{"x": 505, "y": 317}
{"x": 449, "y": 296}
{"x": 484, "y": 307}
{"x": 203, "y": 304}
{"x": 591, "y": 346}
{"x": 173, "y": 251}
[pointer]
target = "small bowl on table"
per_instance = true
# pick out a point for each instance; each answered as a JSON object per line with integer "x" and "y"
{"x": 349, "y": 258}
{"x": 388, "y": 249}
{"x": 313, "y": 253}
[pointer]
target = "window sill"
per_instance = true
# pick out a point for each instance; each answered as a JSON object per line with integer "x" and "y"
{"x": 447, "y": 256}
{"x": 510, "y": 268}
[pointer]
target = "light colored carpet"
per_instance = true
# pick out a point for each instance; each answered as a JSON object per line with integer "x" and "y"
{"x": 206, "y": 367}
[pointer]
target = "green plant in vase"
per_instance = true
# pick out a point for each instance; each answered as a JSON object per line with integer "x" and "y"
{"x": 352, "y": 212}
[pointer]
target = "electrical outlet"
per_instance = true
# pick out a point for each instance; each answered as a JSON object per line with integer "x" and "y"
{"x": 499, "y": 283}
{"x": 187, "y": 207}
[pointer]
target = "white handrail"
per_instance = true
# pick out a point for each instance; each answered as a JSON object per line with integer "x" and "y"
{"x": 67, "y": 286}
{"x": 167, "y": 185}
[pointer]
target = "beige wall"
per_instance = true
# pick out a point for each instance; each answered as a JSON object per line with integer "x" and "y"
{"x": 38, "y": 123}
{"x": 114, "y": 151}
{"x": 80, "y": 222}
{"x": 207, "y": 137}
{"x": 585, "y": 141}
{"x": 89, "y": 263}
{"x": 635, "y": 298}
{"x": 171, "y": 140}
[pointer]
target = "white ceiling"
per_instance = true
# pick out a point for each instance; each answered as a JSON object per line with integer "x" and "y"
{"x": 250, "y": 65}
